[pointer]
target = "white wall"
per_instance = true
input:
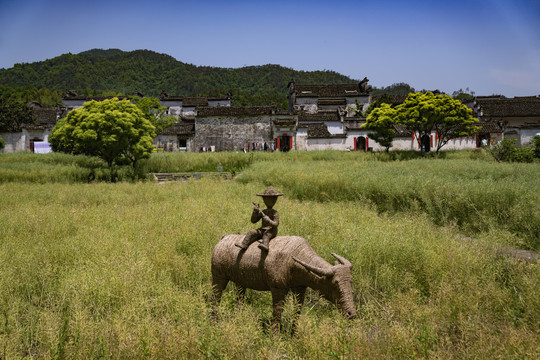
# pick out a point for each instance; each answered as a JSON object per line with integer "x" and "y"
{"x": 301, "y": 139}
{"x": 20, "y": 141}
{"x": 334, "y": 127}
{"x": 527, "y": 135}
{"x": 73, "y": 104}
{"x": 326, "y": 144}
{"x": 407, "y": 143}
{"x": 14, "y": 142}
{"x": 458, "y": 144}
{"x": 363, "y": 101}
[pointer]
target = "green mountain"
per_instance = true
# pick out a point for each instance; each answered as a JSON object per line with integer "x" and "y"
{"x": 100, "y": 71}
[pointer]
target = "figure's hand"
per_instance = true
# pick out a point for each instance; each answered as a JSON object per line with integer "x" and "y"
{"x": 256, "y": 207}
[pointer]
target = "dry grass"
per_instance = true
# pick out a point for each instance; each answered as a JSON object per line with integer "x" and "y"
{"x": 476, "y": 196}
{"x": 123, "y": 271}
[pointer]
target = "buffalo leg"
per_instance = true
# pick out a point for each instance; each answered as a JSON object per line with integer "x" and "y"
{"x": 299, "y": 295}
{"x": 278, "y": 300}
{"x": 218, "y": 286}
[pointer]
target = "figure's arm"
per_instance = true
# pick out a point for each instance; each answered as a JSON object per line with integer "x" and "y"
{"x": 274, "y": 222}
{"x": 257, "y": 214}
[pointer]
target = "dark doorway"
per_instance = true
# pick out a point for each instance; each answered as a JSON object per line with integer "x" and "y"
{"x": 182, "y": 142}
{"x": 32, "y": 143}
{"x": 483, "y": 140}
{"x": 285, "y": 143}
{"x": 361, "y": 143}
{"x": 426, "y": 143}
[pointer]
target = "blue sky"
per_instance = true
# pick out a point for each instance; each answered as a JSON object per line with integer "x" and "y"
{"x": 490, "y": 46}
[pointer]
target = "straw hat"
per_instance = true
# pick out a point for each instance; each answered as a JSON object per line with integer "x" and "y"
{"x": 270, "y": 192}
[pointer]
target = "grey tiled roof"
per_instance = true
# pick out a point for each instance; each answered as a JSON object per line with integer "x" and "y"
{"x": 96, "y": 98}
{"x": 518, "y": 106}
{"x": 236, "y": 111}
{"x": 319, "y": 130}
{"x": 530, "y": 125}
{"x": 195, "y": 101}
{"x": 328, "y": 91}
{"x": 46, "y": 115}
{"x": 336, "y": 101}
{"x": 488, "y": 127}
{"x": 307, "y": 117}
{"x": 46, "y": 118}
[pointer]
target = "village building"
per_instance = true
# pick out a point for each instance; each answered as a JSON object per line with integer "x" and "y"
{"x": 249, "y": 128}
{"x": 184, "y": 107}
{"x": 327, "y": 114}
{"x": 517, "y": 117}
{"x": 33, "y": 137}
{"x": 318, "y": 117}
{"x": 72, "y": 101}
{"x": 176, "y": 137}
{"x": 405, "y": 140}
{"x": 179, "y": 136}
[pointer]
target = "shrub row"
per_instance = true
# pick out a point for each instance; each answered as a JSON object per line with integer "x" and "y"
{"x": 506, "y": 150}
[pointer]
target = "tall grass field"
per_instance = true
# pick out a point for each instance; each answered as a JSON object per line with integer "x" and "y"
{"x": 91, "y": 269}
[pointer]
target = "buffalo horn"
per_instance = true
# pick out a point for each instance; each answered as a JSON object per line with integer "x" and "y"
{"x": 316, "y": 270}
{"x": 342, "y": 260}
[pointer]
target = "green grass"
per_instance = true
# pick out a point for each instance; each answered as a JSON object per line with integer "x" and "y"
{"x": 56, "y": 168}
{"x": 64, "y": 168}
{"x": 123, "y": 271}
{"x": 477, "y": 196}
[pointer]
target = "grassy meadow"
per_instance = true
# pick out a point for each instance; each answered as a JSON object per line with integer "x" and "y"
{"x": 101, "y": 270}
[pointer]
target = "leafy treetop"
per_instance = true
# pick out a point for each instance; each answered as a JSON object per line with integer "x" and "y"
{"x": 14, "y": 114}
{"x": 154, "y": 112}
{"x": 381, "y": 120}
{"x": 422, "y": 113}
{"x": 114, "y": 130}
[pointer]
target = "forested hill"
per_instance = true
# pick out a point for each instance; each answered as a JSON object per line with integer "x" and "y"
{"x": 97, "y": 71}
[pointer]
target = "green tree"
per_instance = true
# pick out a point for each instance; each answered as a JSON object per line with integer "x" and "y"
{"x": 2, "y": 143}
{"x": 424, "y": 113}
{"x": 13, "y": 114}
{"x": 463, "y": 96}
{"x": 381, "y": 120}
{"x": 154, "y": 112}
{"x": 115, "y": 130}
{"x": 394, "y": 89}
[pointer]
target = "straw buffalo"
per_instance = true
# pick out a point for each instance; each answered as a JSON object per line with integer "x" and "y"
{"x": 289, "y": 265}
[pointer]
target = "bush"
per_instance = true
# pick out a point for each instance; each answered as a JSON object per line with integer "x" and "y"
{"x": 2, "y": 143}
{"x": 535, "y": 145}
{"x": 524, "y": 154}
{"x": 503, "y": 150}
{"x": 506, "y": 150}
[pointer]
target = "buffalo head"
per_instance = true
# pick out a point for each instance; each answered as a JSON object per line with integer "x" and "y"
{"x": 335, "y": 284}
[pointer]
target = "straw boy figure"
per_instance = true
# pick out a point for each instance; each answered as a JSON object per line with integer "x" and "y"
{"x": 270, "y": 221}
